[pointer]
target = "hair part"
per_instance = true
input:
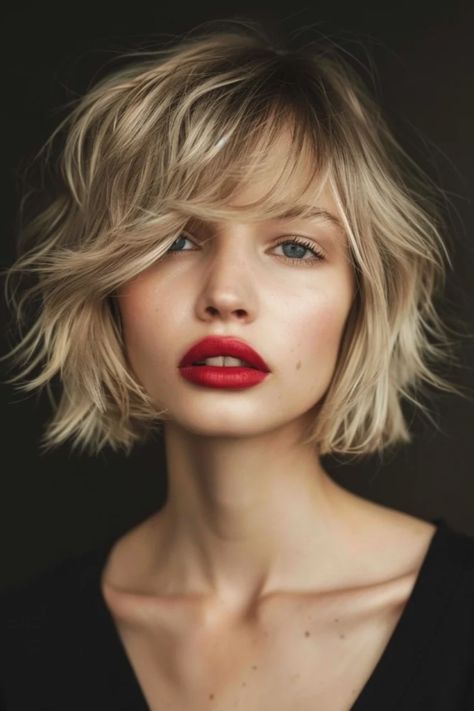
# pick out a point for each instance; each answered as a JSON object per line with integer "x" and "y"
{"x": 170, "y": 138}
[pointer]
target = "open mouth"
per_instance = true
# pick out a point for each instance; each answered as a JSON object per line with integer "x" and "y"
{"x": 218, "y": 352}
{"x": 226, "y": 361}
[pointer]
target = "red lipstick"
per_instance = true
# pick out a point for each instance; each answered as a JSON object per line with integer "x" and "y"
{"x": 251, "y": 372}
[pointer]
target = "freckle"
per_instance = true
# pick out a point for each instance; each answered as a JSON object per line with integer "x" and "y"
{"x": 336, "y": 619}
{"x": 342, "y": 636}
{"x": 211, "y": 696}
{"x": 254, "y": 666}
{"x": 243, "y": 683}
{"x": 298, "y": 365}
{"x": 306, "y": 634}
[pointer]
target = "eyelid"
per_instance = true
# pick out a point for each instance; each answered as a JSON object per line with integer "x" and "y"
{"x": 304, "y": 241}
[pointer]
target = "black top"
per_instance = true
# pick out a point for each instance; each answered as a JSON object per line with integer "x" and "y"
{"x": 60, "y": 649}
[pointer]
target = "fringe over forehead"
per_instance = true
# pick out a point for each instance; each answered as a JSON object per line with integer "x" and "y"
{"x": 181, "y": 132}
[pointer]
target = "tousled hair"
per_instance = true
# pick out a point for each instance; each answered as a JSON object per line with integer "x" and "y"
{"x": 169, "y": 137}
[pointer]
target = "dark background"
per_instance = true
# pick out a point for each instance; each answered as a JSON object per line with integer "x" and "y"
{"x": 54, "y": 505}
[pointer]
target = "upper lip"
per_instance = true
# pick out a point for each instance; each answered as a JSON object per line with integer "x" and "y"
{"x": 223, "y": 346}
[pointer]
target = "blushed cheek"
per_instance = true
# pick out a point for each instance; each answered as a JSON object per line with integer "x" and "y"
{"x": 322, "y": 333}
{"x": 137, "y": 319}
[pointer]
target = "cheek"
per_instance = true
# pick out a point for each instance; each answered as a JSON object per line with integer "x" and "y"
{"x": 143, "y": 320}
{"x": 316, "y": 346}
{"x": 320, "y": 328}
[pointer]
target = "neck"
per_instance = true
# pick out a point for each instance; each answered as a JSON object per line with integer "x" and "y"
{"x": 244, "y": 516}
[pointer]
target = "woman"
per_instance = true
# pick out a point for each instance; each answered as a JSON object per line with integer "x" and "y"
{"x": 239, "y": 258}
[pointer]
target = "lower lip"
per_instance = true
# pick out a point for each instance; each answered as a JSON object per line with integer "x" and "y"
{"x": 215, "y": 376}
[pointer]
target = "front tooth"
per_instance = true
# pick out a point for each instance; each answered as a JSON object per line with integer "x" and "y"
{"x": 215, "y": 360}
{"x": 224, "y": 360}
{"x": 229, "y": 360}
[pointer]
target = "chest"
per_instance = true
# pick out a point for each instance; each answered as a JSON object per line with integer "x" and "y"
{"x": 298, "y": 656}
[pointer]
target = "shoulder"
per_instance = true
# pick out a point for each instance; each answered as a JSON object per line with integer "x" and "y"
{"x": 440, "y": 548}
{"x": 456, "y": 555}
{"x": 454, "y": 548}
{"x": 401, "y": 541}
{"x": 444, "y": 595}
{"x": 442, "y": 617}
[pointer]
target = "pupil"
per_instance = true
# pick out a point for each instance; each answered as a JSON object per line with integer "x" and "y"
{"x": 179, "y": 239}
{"x": 290, "y": 247}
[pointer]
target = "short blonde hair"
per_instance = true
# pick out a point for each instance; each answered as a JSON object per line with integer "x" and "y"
{"x": 169, "y": 137}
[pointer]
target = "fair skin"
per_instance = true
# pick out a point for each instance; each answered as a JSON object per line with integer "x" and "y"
{"x": 253, "y": 521}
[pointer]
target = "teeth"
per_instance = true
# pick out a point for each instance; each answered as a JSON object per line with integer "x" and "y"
{"x": 224, "y": 360}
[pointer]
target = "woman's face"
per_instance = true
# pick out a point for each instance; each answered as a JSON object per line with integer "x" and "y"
{"x": 236, "y": 279}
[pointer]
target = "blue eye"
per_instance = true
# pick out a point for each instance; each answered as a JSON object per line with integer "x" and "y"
{"x": 179, "y": 239}
{"x": 297, "y": 245}
{"x": 301, "y": 246}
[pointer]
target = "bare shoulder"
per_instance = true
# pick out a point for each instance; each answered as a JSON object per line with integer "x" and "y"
{"x": 405, "y": 530}
{"x": 398, "y": 541}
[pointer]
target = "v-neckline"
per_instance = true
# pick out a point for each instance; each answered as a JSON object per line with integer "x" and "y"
{"x": 415, "y": 628}
{"x": 433, "y": 588}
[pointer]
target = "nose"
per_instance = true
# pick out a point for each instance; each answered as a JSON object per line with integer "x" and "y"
{"x": 227, "y": 291}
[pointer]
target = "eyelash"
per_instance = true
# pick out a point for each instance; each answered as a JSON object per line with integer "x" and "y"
{"x": 310, "y": 246}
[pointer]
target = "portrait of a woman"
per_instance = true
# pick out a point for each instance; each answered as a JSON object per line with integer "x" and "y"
{"x": 241, "y": 257}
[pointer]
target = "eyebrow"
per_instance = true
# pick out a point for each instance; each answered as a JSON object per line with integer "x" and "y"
{"x": 303, "y": 212}
{"x": 308, "y": 212}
